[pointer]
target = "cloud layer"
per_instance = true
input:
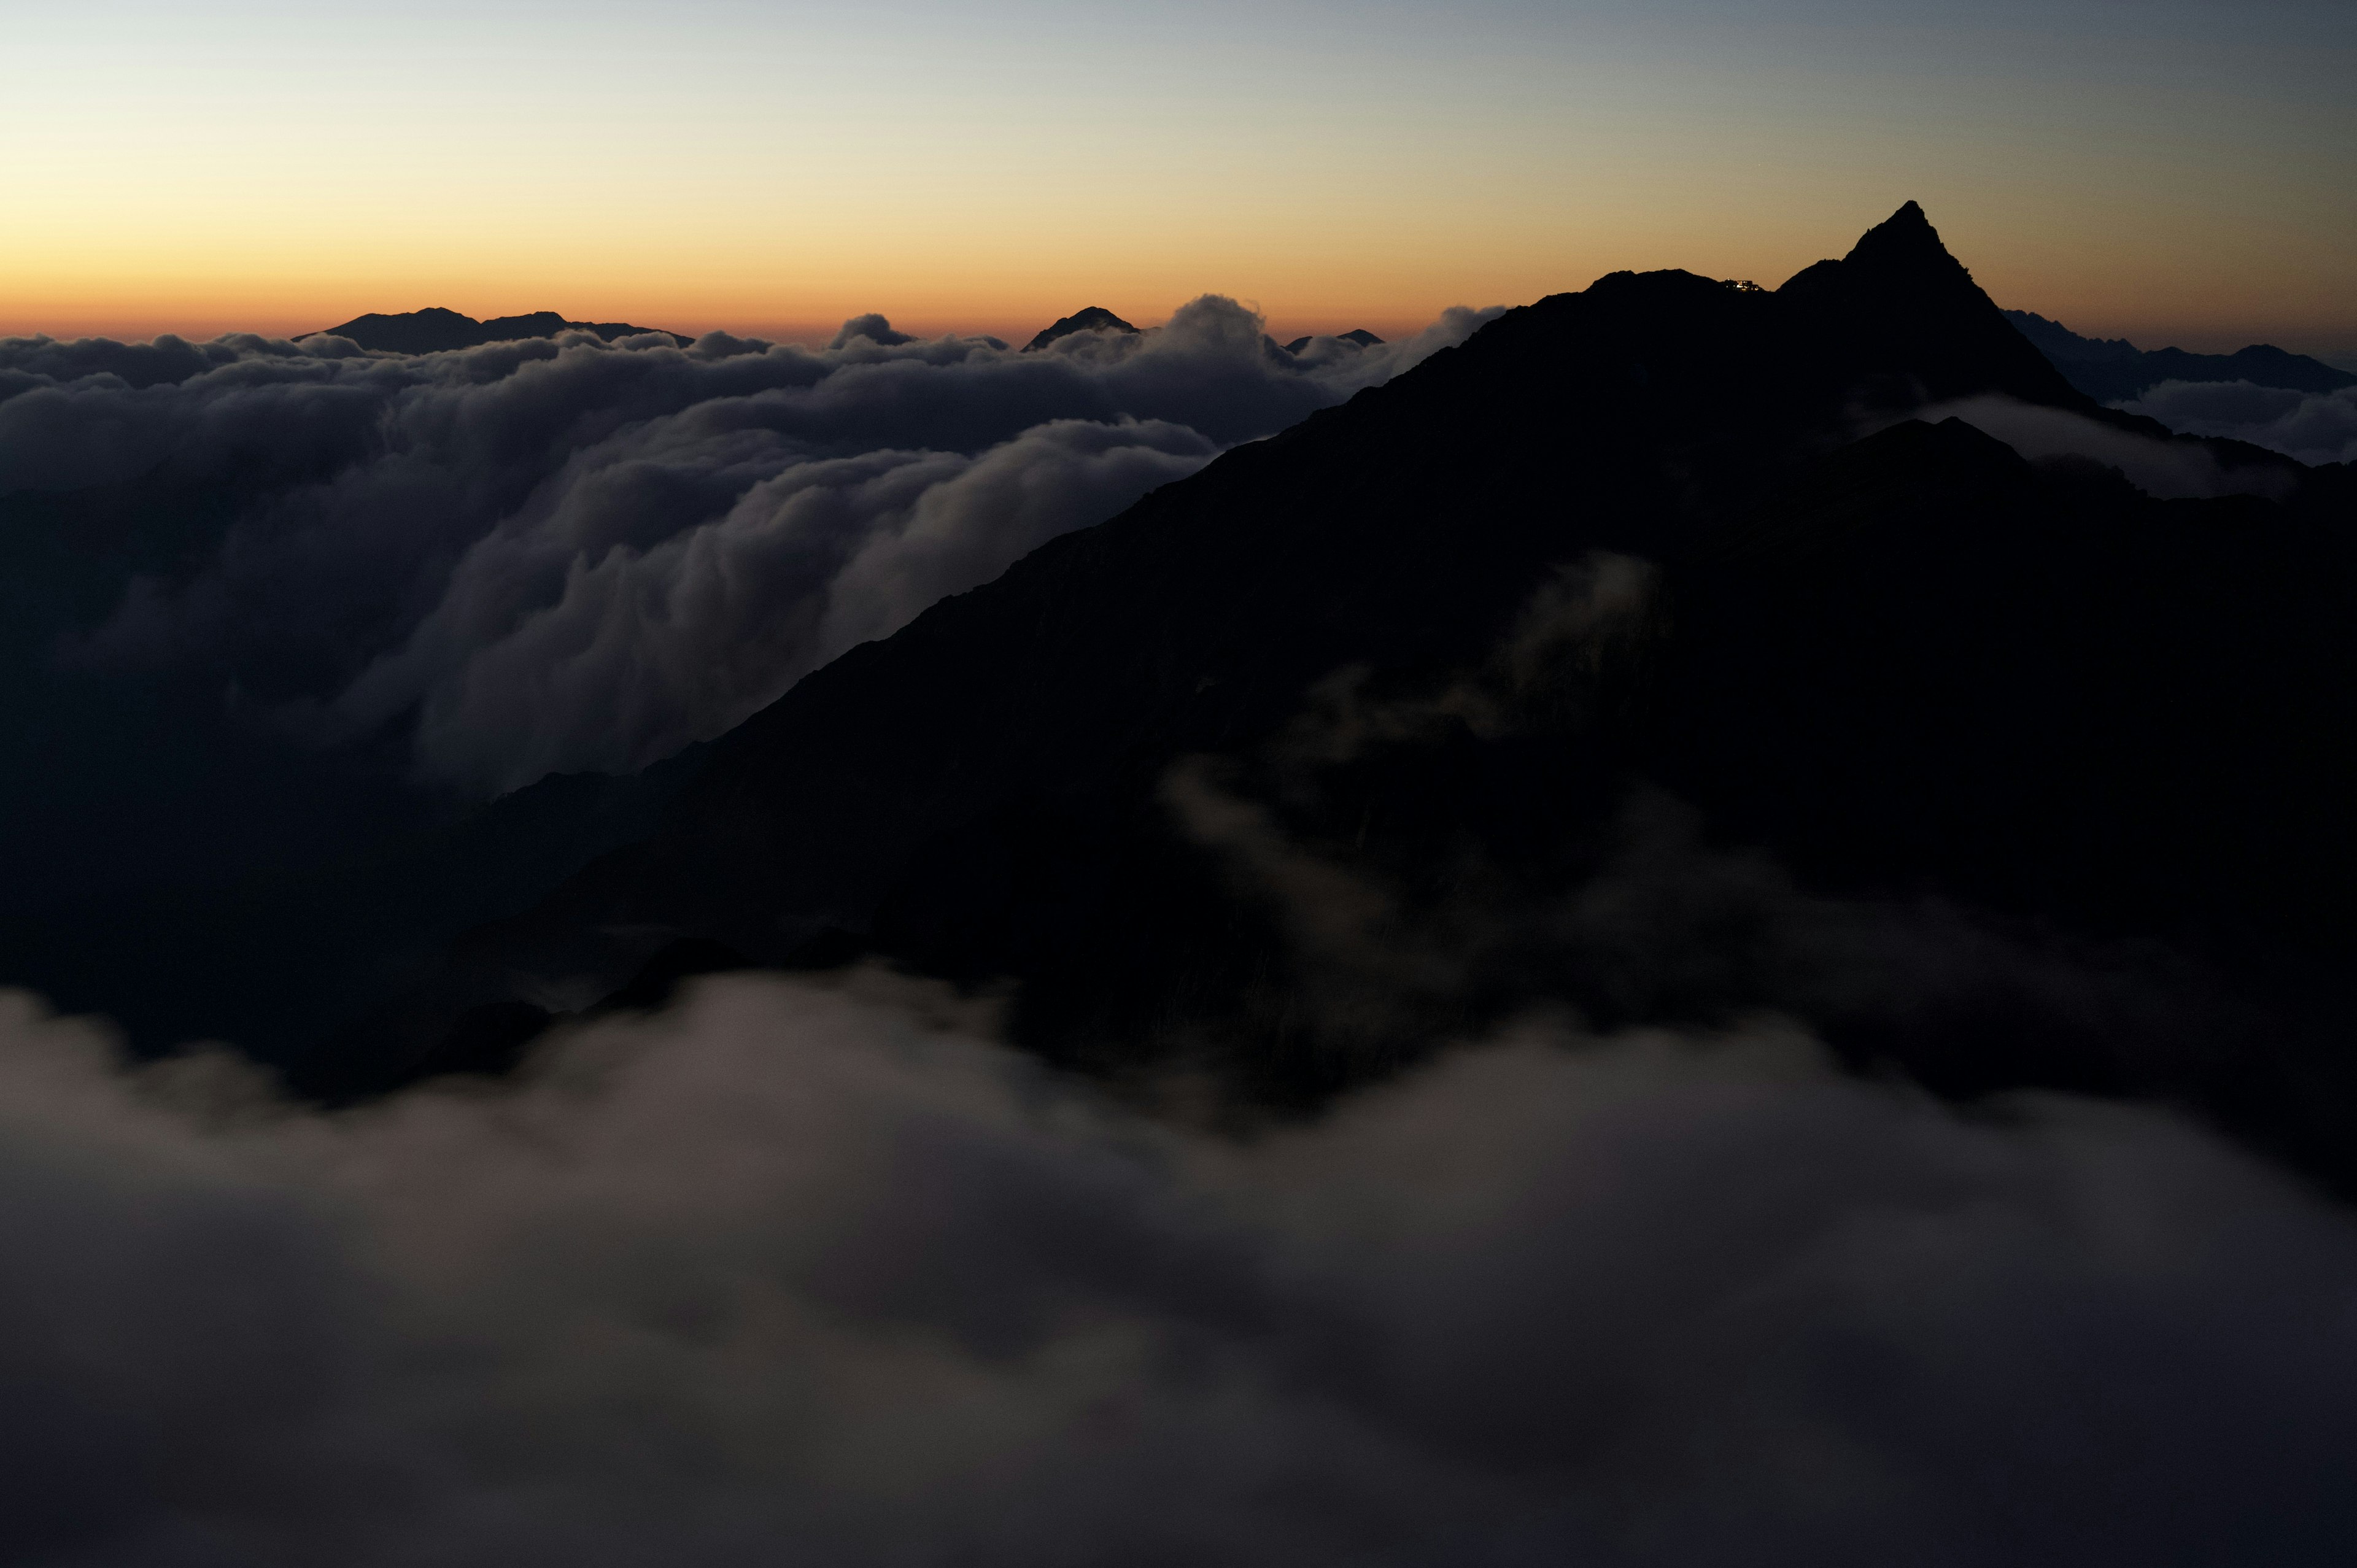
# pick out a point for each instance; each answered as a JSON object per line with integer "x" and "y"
{"x": 808, "y": 1274}
{"x": 573, "y": 554}
{"x": 2314, "y": 427}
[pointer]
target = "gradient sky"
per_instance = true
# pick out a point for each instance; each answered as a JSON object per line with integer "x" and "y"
{"x": 2171, "y": 171}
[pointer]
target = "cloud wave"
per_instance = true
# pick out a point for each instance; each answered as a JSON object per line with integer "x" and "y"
{"x": 566, "y": 553}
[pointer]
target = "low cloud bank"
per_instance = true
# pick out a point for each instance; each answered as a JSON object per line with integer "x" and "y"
{"x": 800, "y": 1273}
{"x": 2158, "y": 467}
{"x": 561, "y": 554}
{"x": 2314, "y": 427}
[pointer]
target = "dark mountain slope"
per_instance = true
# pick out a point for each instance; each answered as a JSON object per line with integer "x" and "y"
{"x": 434, "y": 330}
{"x": 1907, "y": 314}
{"x": 2113, "y": 369}
{"x": 2110, "y": 727}
{"x": 1021, "y": 736}
{"x": 1571, "y": 669}
{"x": 2116, "y": 728}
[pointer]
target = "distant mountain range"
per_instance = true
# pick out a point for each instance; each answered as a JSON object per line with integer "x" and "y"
{"x": 2113, "y": 369}
{"x": 439, "y": 331}
{"x": 1097, "y": 318}
{"x": 2107, "y": 370}
{"x": 435, "y": 330}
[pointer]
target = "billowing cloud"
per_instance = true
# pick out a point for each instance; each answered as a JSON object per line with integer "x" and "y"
{"x": 2314, "y": 427}
{"x": 800, "y": 1273}
{"x": 644, "y": 650}
{"x": 560, "y": 555}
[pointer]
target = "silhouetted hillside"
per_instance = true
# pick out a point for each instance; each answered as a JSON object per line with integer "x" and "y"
{"x": 2113, "y": 369}
{"x": 436, "y": 331}
{"x": 1645, "y": 689}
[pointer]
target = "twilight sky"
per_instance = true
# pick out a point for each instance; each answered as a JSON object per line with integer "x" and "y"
{"x": 2172, "y": 170}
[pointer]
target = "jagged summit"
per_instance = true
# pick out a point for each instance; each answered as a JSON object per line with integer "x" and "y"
{"x": 438, "y": 330}
{"x": 1902, "y": 251}
{"x": 1904, "y": 242}
{"x": 1899, "y": 306}
{"x": 1088, "y": 318}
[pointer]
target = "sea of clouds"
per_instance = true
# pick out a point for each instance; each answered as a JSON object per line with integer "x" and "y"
{"x": 573, "y": 554}
{"x": 820, "y": 1274}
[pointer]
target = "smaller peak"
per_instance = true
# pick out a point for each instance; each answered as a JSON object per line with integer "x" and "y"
{"x": 873, "y": 326}
{"x": 1357, "y": 336}
{"x": 1088, "y": 318}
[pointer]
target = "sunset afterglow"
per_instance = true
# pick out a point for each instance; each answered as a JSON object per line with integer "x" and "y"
{"x": 2169, "y": 171}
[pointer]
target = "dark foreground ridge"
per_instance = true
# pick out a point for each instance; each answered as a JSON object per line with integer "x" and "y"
{"x": 439, "y": 331}
{"x": 2113, "y": 369}
{"x": 1598, "y": 663}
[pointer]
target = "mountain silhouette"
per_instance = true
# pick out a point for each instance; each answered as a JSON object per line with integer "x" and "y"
{"x": 439, "y": 331}
{"x": 1358, "y": 335}
{"x": 1091, "y": 318}
{"x": 1598, "y": 663}
{"x": 2113, "y": 369}
{"x": 1900, "y": 304}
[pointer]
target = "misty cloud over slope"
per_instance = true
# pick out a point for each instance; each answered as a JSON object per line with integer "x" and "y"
{"x": 2314, "y": 427}
{"x": 573, "y": 554}
{"x": 2170, "y": 470}
{"x": 794, "y": 1273}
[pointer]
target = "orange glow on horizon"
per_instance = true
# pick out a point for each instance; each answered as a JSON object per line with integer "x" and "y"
{"x": 2188, "y": 311}
{"x": 259, "y": 167}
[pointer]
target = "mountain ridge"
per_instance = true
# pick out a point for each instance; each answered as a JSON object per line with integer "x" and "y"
{"x": 987, "y": 796}
{"x": 438, "y": 330}
{"x": 2113, "y": 369}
